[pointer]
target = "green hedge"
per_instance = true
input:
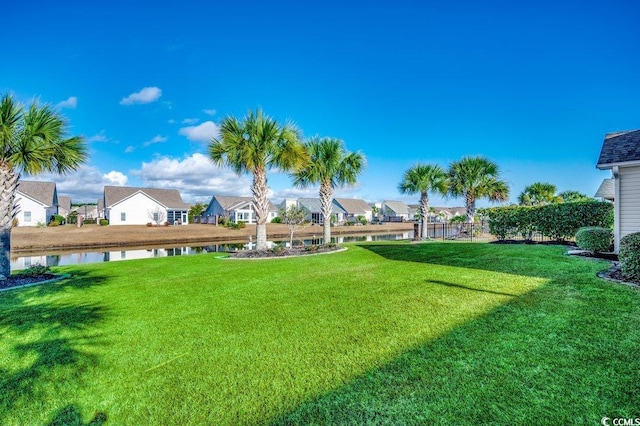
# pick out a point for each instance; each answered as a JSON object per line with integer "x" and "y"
{"x": 558, "y": 221}
{"x": 594, "y": 238}
{"x": 629, "y": 256}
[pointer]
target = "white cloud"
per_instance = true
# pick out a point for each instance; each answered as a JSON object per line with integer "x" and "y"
{"x": 98, "y": 137}
{"x": 203, "y": 132}
{"x": 129, "y": 149}
{"x": 190, "y": 120}
{"x": 85, "y": 184}
{"x": 195, "y": 177}
{"x": 155, "y": 139}
{"x": 296, "y": 193}
{"x": 211, "y": 112}
{"x": 144, "y": 96}
{"x": 70, "y": 103}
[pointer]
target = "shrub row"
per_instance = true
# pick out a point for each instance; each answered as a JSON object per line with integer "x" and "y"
{"x": 558, "y": 221}
{"x": 594, "y": 238}
{"x": 629, "y": 256}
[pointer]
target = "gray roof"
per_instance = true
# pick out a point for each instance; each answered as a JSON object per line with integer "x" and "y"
{"x": 229, "y": 202}
{"x": 606, "y": 189}
{"x": 397, "y": 206}
{"x": 43, "y": 192}
{"x": 353, "y": 206}
{"x": 169, "y": 198}
{"x": 620, "y": 147}
{"x": 313, "y": 205}
{"x": 64, "y": 202}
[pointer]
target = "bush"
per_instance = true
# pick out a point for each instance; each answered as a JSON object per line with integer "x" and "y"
{"x": 35, "y": 271}
{"x": 60, "y": 219}
{"x": 166, "y": 224}
{"x": 54, "y": 223}
{"x": 104, "y": 222}
{"x": 558, "y": 221}
{"x": 629, "y": 256}
{"x": 276, "y": 219}
{"x": 149, "y": 224}
{"x": 594, "y": 238}
{"x": 222, "y": 221}
{"x": 362, "y": 219}
{"x": 89, "y": 222}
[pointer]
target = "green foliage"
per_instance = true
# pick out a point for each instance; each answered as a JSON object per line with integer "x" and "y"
{"x": 53, "y": 223}
{"x": 276, "y": 219}
{"x": 461, "y": 218}
{"x": 594, "y": 238}
{"x": 59, "y": 218}
{"x": 35, "y": 271}
{"x": 196, "y": 210}
{"x": 571, "y": 196}
{"x": 104, "y": 222}
{"x": 362, "y": 219}
{"x": 629, "y": 256}
{"x": 89, "y": 222}
{"x": 539, "y": 193}
{"x": 222, "y": 220}
{"x": 555, "y": 221}
{"x": 232, "y": 225}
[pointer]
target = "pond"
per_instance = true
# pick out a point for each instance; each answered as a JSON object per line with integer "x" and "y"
{"x": 112, "y": 254}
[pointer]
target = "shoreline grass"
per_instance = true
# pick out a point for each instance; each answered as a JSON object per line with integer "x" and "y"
{"x": 380, "y": 333}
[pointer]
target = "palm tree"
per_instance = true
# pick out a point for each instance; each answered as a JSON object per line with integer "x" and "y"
{"x": 423, "y": 178}
{"x": 474, "y": 178}
{"x": 255, "y": 145}
{"x": 537, "y": 194}
{"x": 33, "y": 140}
{"x": 331, "y": 166}
{"x": 572, "y": 196}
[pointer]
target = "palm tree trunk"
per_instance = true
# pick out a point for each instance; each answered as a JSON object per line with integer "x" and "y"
{"x": 471, "y": 207}
{"x": 424, "y": 206}
{"x": 261, "y": 201}
{"x": 8, "y": 187}
{"x": 326, "y": 198}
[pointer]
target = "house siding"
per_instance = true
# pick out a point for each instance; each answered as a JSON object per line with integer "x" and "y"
{"x": 136, "y": 209}
{"x": 629, "y": 200}
{"x": 38, "y": 212}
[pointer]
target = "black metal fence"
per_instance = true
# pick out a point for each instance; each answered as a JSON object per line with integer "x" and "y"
{"x": 469, "y": 232}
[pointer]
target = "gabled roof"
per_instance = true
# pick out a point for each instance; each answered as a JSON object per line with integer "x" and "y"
{"x": 64, "y": 202}
{"x": 42, "y": 192}
{"x": 170, "y": 198}
{"x": 619, "y": 148}
{"x": 353, "y": 206}
{"x": 397, "y": 206}
{"x": 313, "y": 205}
{"x": 606, "y": 190}
{"x": 230, "y": 203}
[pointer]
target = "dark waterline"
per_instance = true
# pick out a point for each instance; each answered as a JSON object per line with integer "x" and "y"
{"x": 62, "y": 258}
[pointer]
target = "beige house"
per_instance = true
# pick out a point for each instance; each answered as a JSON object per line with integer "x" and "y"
{"x": 621, "y": 154}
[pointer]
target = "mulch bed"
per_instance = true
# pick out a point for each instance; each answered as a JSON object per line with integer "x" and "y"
{"x": 296, "y": 251}
{"x": 18, "y": 281}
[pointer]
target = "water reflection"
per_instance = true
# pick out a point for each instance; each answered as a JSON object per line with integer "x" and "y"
{"x": 117, "y": 254}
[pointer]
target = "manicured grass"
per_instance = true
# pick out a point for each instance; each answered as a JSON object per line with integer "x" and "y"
{"x": 383, "y": 333}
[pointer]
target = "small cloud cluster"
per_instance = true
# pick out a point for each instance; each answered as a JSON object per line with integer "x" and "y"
{"x": 98, "y": 137}
{"x": 210, "y": 112}
{"x": 85, "y": 184}
{"x": 144, "y": 96}
{"x": 156, "y": 139}
{"x": 70, "y": 103}
{"x": 203, "y": 132}
{"x": 190, "y": 120}
{"x": 195, "y": 177}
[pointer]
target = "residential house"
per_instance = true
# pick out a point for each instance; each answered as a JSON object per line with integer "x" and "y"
{"x": 64, "y": 205}
{"x": 395, "y": 211}
{"x": 354, "y": 208}
{"x": 606, "y": 190}
{"x": 87, "y": 211}
{"x": 313, "y": 207}
{"x": 138, "y": 206}
{"x": 235, "y": 209}
{"x": 36, "y": 202}
{"x": 436, "y": 214}
{"x": 621, "y": 154}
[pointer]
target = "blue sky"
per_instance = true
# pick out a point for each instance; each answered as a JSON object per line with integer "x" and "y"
{"x": 534, "y": 86}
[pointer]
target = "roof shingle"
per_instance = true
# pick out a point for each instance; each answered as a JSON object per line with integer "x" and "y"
{"x": 621, "y": 147}
{"x": 169, "y": 198}
{"x": 43, "y": 192}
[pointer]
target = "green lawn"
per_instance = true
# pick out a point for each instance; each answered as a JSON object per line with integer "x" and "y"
{"x": 395, "y": 333}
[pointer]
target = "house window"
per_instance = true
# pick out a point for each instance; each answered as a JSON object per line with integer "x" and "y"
{"x": 155, "y": 216}
{"x": 123, "y": 217}
{"x": 27, "y": 216}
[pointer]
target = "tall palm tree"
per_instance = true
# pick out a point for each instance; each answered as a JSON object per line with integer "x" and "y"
{"x": 423, "y": 178}
{"x": 255, "y": 145}
{"x": 33, "y": 140}
{"x": 331, "y": 166}
{"x": 538, "y": 193}
{"x": 572, "y": 196}
{"x": 474, "y": 178}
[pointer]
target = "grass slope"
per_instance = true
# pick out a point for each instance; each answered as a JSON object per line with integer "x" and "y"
{"x": 382, "y": 333}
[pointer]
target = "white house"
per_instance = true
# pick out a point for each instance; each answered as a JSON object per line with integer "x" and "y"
{"x": 36, "y": 201}
{"x": 621, "y": 154}
{"x": 64, "y": 205}
{"x": 394, "y": 211}
{"x": 235, "y": 209}
{"x": 138, "y": 206}
{"x": 313, "y": 207}
{"x": 355, "y": 207}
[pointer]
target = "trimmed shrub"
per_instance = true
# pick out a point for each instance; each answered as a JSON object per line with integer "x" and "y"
{"x": 60, "y": 219}
{"x": 629, "y": 256}
{"x": 35, "y": 271}
{"x": 89, "y": 222}
{"x": 594, "y": 238}
{"x": 149, "y": 224}
{"x": 104, "y": 222}
{"x": 558, "y": 221}
{"x": 54, "y": 223}
{"x": 276, "y": 219}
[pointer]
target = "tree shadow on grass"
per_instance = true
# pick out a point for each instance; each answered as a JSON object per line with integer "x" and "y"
{"x": 71, "y": 416}
{"x": 537, "y": 359}
{"x": 45, "y": 337}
